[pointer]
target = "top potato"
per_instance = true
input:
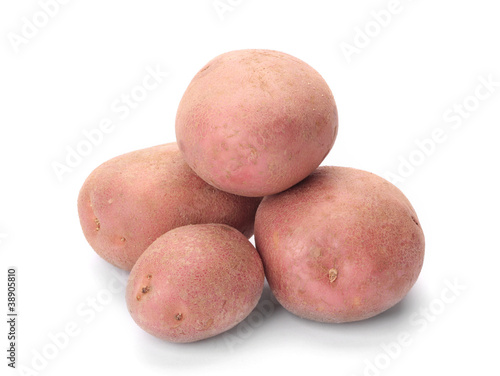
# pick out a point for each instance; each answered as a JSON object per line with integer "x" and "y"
{"x": 256, "y": 122}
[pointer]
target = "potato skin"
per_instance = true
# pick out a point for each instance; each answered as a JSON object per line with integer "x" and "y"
{"x": 195, "y": 282}
{"x": 129, "y": 201}
{"x": 342, "y": 245}
{"x": 255, "y": 122}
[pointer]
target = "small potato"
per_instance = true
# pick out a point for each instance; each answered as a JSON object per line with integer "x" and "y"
{"x": 342, "y": 245}
{"x": 129, "y": 201}
{"x": 195, "y": 282}
{"x": 256, "y": 122}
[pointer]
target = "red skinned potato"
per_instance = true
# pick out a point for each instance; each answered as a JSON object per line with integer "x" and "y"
{"x": 195, "y": 282}
{"x": 342, "y": 245}
{"x": 129, "y": 201}
{"x": 256, "y": 122}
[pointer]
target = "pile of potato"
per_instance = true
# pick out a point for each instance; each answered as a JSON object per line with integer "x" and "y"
{"x": 336, "y": 244}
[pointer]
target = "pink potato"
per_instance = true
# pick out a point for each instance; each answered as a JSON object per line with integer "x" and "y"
{"x": 256, "y": 122}
{"x": 129, "y": 201}
{"x": 195, "y": 282}
{"x": 342, "y": 245}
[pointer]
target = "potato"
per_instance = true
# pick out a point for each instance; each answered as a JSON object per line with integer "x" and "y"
{"x": 342, "y": 245}
{"x": 256, "y": 122}
{"x": 129, "y": 201}
{"x": 195, "y": 282}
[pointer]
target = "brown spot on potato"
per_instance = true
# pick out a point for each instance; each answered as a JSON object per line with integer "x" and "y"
{"x": 123, "y": 239}
{"x": 415, "y": 220}
{"x": 178, "y": 317}
{"x": 138, "y": 297}
{"x": 149, "y": 276}
{"x": 146, "y": 289}
{"x": 208, "y": 324}
{"x": 253, "y": 155}
{"x": 205, "y": 68}
{"x": 276, "y": 238}
{"x": 97, "y": 224}
{"x": 332, "y": 274}
{"x": 316, "y": 252}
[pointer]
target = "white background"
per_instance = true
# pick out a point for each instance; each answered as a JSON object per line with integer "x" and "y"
{"x": 419, "y": 75}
